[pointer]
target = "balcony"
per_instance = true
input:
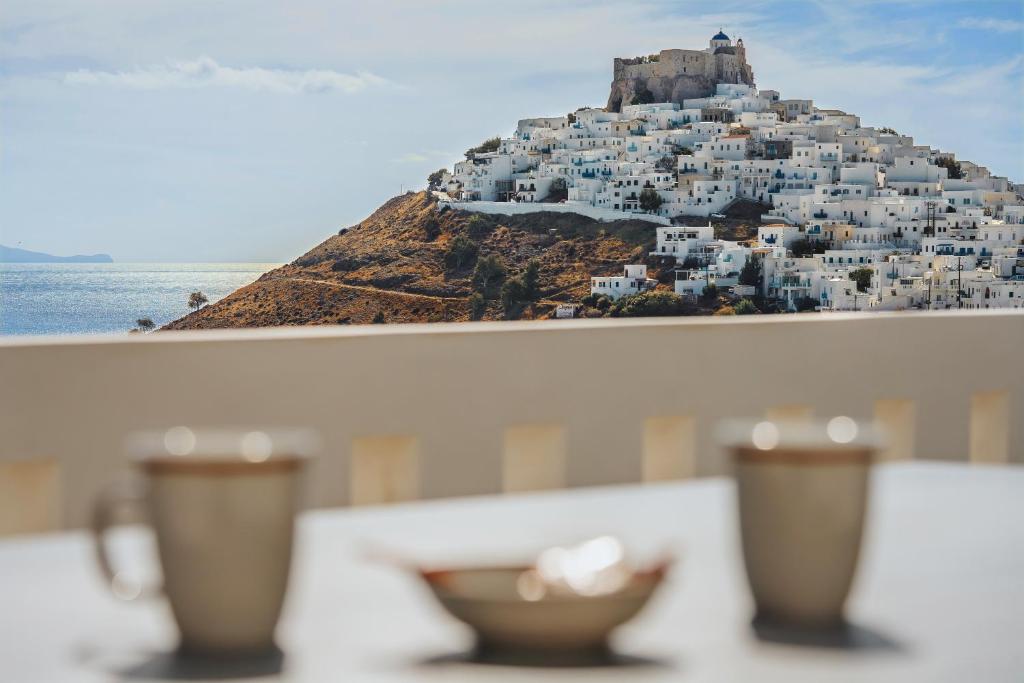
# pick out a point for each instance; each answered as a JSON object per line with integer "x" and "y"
{"x": 419, "y": 414}
{"x": 355, "y": 382}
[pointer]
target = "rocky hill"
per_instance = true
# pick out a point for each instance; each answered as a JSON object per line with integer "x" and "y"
{"x": 408, "y": 262}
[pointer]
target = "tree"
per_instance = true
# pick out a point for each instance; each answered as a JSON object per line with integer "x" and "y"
{"x": 513, "y": 292}
{"x": 197, "y": 300}
{"x": 461, "y": 252}
{"x": 144, "y": 324}
{"x": 489, "y": 145}
{"x": 667, "y": 163}
{"x": 477, "y": 306}
{"x": 488, "y": 275}
{"x": 521, "y": 289}
{"x": 650, "y": 200}
{"x": 710, "y": 293}
{"x": 804, "y": 247}
{"x": 752, "y": 274}
{"x": 531, "y": 280}
{"x": 862, "y": 276}
{"x": 692, "y": 263}
{"x": 952, "y": 166}
{"x": 378, "y": 319}
{"x": 745, "y": 307}
{"x": 434, "y": 179}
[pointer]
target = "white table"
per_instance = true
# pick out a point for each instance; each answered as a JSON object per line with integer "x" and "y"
{"x": 939, "y": 597}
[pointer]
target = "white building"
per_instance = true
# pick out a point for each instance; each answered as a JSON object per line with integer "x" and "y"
{"x": 860, "y": 193}
{"x": 632, "y": 281}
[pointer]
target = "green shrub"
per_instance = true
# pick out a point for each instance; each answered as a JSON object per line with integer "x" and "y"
{"x": 345, "y": 265}
{"x": 745, "y": 307}
{"x": 479, "y": 226}
{"x": 489, "y": 145}
{"x": 862, "y": 276}
{"x": 598, "y": 301}
{"x": 531, "y": 280}
{"x": 477, "y": 306}
{"x": 460, "y": 253}
{"x": 648, "y": 304}
{"x": 710, "y": 293}
{"x": 431, "y": 227}
{"x": 379, "y": 318}
{"x": 488, "y": 275}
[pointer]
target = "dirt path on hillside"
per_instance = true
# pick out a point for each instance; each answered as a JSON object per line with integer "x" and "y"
{"x": 395, "y": 292}
{"x": 372, "y": 290}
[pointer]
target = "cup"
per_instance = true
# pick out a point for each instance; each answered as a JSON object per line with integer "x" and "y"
{"x": 802, "y": 492}
{"x": 222, "y": 505}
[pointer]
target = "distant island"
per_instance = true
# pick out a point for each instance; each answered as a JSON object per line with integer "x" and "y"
{"x": 15, "y": 255}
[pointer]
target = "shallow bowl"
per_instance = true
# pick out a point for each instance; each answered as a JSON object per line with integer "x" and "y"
{"x": 489, "y": 600}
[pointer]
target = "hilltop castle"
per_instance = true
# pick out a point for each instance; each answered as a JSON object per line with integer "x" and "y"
{"x": 675, "y": 75}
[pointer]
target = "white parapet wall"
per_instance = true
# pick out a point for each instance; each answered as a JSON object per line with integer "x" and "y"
{"x": 513, "y": 208}
{"x": 450, "y": 409}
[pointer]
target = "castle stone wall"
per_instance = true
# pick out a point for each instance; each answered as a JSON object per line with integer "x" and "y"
{"x": 677, "y": 75}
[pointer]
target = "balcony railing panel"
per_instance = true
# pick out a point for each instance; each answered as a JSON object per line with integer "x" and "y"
{"x": 427, "y": 411}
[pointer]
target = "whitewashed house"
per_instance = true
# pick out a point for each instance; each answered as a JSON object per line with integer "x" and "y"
{"x": 632, "y": 281}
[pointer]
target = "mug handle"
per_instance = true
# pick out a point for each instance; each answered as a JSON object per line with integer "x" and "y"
{"x": 128, "y": 493}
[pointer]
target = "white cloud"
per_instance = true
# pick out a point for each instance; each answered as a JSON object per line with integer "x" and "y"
{"x": 206, "y": 72}
{"x": 997, "y": 25}
{"x": 411, "y": 158}
{"x": 424, "y": 155}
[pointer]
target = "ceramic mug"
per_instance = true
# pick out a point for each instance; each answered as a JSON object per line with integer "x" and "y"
{"x": 803, "y": 493}
{"x": 222, "y": 505}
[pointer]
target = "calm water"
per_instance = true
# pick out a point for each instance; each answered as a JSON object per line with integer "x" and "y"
{"x": 77, "y": 298}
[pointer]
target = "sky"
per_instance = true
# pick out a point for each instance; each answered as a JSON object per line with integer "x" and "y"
{"x": 182, "y": 130}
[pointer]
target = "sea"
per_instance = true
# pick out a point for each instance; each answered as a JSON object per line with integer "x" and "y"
{"x": 87, "y": 298}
